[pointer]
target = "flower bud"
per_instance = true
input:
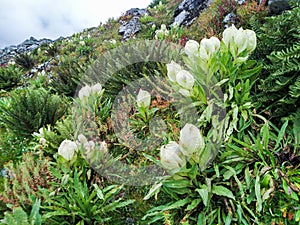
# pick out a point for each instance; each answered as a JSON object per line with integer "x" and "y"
{"x": 228, "y": 35}
{"x": 173, "y": 68}
{"x": 170, "y": 156}
{"x": 97, "y": 88}
{"x": 185, "y": 79}
{"x": 190, "y": 140}
{"x": 67, "y": 149}
{"x": 240, "y": 40}
{"x": 143, "y": 98}
{"x": 208, "y": 47}
{"x": 191, "y": 48}
{"x": 84, "y": 92}
{"x": 251, "y": 40}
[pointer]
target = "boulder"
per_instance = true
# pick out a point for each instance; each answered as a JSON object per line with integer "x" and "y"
{"x": 130, "y": 28}
{"x": 188, "y": 11}
{"x": 278, "y": 6}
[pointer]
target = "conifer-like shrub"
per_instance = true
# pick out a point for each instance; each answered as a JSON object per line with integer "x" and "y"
{"x": 28, "y": 110}
{"x": 67, "y": 76}
{"x": 25, "y": 60}
{"x": 9, "y": 77}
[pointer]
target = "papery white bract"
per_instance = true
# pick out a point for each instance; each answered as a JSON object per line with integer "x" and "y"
{"x": 82, "y": 139}
{"x": 173, "y": 68}
{"x": 251, "y": 40}
{"x": 67, "y": 149}
{"x": 143, "y": 98}
{"x": 190, "y": 140}
{"x": 241, "y": 40}
{"x": 84, "y": 92}
{"x": 191, "y": 48}
{"x": 208, "y": 47}
{"x": 228, "y": 35}
{"x": 185, "y": 79}
{"x": 170, "y": 156}
{"x": 97, "y": 88}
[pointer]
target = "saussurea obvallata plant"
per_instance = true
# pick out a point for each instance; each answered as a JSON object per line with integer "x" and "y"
{"x": 217, "y": 76}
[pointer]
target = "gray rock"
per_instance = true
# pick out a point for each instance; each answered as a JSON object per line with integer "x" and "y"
{"x": 188, "y": 11}
{"x": 230, "y": 19}
{"x": 278, "y": 6}
{"x": 241, "y": 2}
{"x": 131, "y": 28}
{"x": 136, "y": 12}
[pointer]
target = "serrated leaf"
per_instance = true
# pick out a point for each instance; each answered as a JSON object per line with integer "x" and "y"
{"x": 222, "y": 191}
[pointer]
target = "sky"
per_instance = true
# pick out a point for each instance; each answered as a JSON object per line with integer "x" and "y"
{"x": 21, "y": 19}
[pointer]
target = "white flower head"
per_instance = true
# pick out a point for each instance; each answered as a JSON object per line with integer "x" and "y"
{"x": 171, "y": 157}
{"x": 163, "y": 27}
{"x": 143, "y": 98}
{"x": 208, "y": 47}
{"x": 97, "y": 88}
{"x": 173, "y": 68}
{"x": 67, "y": 149}
{"x": 241, "y": 40}
{"x": 84, "y": 92}
{"x": 190, "y": 140}
{"x": 251, "y": 40}
{"x": 191, "y": 48}
{"x": 103, "y": 147}
{"x": 228, "y": 35}
{"x": 82, "y": 139}
{"x": 185, "y": 79}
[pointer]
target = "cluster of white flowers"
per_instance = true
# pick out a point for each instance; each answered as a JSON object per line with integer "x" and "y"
{"x": 239, "y": 41}
{"x": 173, "y": 156}
{"x": 11, "y": 62}
{"x": 41, "y": 135}
{"x": 143, "y": 99}
{"x": 180, "y": 78}
{"x": 162, "y": 32}
{"x": 68, "y": 148}
{"x": 85, "y": 91}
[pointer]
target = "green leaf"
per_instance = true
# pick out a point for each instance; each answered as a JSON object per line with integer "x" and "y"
{"x": 257, "y": 193}
{"x": 281, "y": 134}
{"x": 153, "y": 191}
{"x": 222, "y": 191}
{"x": 99, "y": 192}
{"x": 193, "y": 204}
{"x": 203, "y": 192}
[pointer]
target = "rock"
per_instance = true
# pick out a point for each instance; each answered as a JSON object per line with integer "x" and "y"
{"x": 278, "y": 6}
{"x": 230, "y": 19}
{"x": 131, "y": 28}
{"x": 8, "y": 53}
{"x": 136, "y": 12}
{"x": 188, "y": 11}
{"x": 241, "y": 2}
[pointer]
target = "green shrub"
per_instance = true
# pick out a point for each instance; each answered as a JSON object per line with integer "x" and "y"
{"x": 25, "y": 60}
{"x": 278, "y": 90}
{"x": 28, "y": 110}
{"x": 10, "y": 77}
{"x": 67, "y": 76}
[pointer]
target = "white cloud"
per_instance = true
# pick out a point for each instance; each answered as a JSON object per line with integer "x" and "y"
{"x": 20, "y": 19}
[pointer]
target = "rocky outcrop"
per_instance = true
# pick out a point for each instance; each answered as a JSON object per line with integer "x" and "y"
{"x": 133, "y": 26}
{"x": 28, "y": 45}
{"x": 188, "y": 11}
{"x": 278, "y": 6}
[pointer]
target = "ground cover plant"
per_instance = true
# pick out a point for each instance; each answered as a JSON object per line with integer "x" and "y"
{"x": 198, "y": 125}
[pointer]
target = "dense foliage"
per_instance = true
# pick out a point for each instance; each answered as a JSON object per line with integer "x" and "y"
{"x": 180, "y": 125}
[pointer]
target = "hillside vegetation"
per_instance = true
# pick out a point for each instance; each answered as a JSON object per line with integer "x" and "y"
{"x": 195, "y": 124}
